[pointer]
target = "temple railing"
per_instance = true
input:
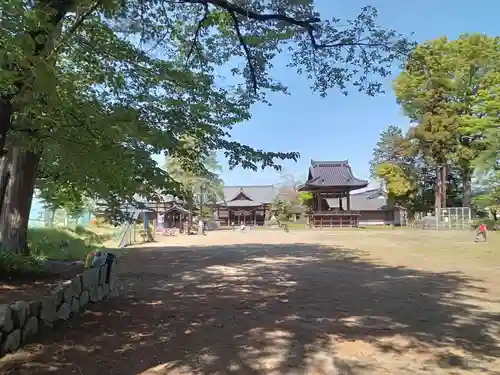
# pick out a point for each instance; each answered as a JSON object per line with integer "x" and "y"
{"x": 341, "y": 213}
{"x": 331, "y": 219}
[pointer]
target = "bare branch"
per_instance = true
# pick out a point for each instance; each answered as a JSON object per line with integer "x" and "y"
{"x": 309, "y": 24}
{"x": 80, "y": 19}
{"x": 246, "y": 49}
{"x": 197, "y": 32}
{"x": 162, "y": 38}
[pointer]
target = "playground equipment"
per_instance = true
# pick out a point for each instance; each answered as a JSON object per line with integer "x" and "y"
{"x": 127, "y": 235}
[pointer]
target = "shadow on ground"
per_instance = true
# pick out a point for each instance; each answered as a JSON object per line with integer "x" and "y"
{"x": 268, "y": 309}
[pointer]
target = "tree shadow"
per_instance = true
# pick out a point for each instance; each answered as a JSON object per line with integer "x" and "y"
{"x": 269, "y": 309}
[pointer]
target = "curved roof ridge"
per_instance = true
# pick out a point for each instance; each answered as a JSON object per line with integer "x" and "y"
{"x": 248, "y": 186}
{"x": 315, "y": 163}
{"x": 333, "y": 173}
{"x": 256, "y": 193}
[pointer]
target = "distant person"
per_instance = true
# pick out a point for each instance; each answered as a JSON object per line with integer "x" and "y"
{"x": 201, "y": 227}
{"x": 481, "y": 231}
{"x": 283, "y": 225}
{"x": 242, "y": 227}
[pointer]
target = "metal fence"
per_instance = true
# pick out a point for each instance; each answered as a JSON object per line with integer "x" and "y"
{"x": 445, "y": 218}
{"x": 58, "y": 218}
{"x": 454, "y": 218}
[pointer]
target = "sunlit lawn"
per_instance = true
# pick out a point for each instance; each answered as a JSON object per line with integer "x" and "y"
{"x": 443, "y": 249}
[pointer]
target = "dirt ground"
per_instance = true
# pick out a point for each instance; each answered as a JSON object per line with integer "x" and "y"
{"x": 351, "y": 302}
{"x": 33, "y": 287}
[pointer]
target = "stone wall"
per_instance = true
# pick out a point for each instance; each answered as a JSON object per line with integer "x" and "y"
{"x": 21, "y": 321}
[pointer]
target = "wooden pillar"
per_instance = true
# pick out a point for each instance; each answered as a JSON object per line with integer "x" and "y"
{"x": 145, "y": 221}
{"x": 341, "y": 205}
{"x": 348, "y": 201}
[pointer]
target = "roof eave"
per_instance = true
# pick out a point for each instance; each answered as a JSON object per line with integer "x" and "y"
{"x": 356, "y": 186}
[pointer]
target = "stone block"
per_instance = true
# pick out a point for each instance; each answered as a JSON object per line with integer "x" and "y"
{"x": 67, "y": 291}
{"x": 6, "y": 321}
{"x": 93, "y": 294}
{"x": 106, "y": 289}
{"x": 30, "y": 328}
{"x": 20, "y": 312}
{"x": 35, "y": 307}
{"x": 100, "y": 292}
{"x": 44, "y": 326}
{"x": 12, "y": 341}
{"x": 75, "y": 305}
{"x": 90, "y": 278}
{"x": 72, "y": 288}
{"x": 112, "y": 281}
{"x": 114, "y": 293}
{"x": 49, "y": 309}
{"x": 76, "y": 286}
{"x": 84, "y": 298}
{"x": 64, "y": 311}
{"x": 103, "y": 271}
{"x": 58, "y": 294}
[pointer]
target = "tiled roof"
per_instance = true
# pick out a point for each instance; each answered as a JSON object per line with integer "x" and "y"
{"x": 333, "y": 173}
{"x": 141, "y": 202}
{"x": 369, "y": 200}
{"x": 243, "y": 203}
{"x": 257, "y": 194}
{"x": 176, "y": 207}
{"x": 163, "y": 198}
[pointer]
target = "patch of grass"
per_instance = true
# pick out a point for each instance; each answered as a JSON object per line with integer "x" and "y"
{"x": 291, "y": 225}
{"x": 62, "y": 243}
{"x": 297, "y": 225}
{"x": 380, "y": 227}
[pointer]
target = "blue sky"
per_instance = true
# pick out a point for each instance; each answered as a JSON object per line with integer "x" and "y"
{"x": 340, "y": 127}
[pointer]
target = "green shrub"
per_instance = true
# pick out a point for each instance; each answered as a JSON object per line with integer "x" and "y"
{"x": 490, "y": 223}
{"x": 80, "y": 230}
{"x": 12, "y": 263}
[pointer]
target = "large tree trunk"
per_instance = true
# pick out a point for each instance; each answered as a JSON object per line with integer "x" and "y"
{"x": 438, "y": 191}
{"x": 444, "y": 186}
{"x": 5, "y": 163}
{"x": 6, "y": 112}
{"x": 467, "y": 187}
{"x": 16, "y": 202}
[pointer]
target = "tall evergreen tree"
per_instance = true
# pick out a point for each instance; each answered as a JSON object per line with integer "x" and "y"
{"x": 440, "y": 90}
{"x": 387, "y": 149}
